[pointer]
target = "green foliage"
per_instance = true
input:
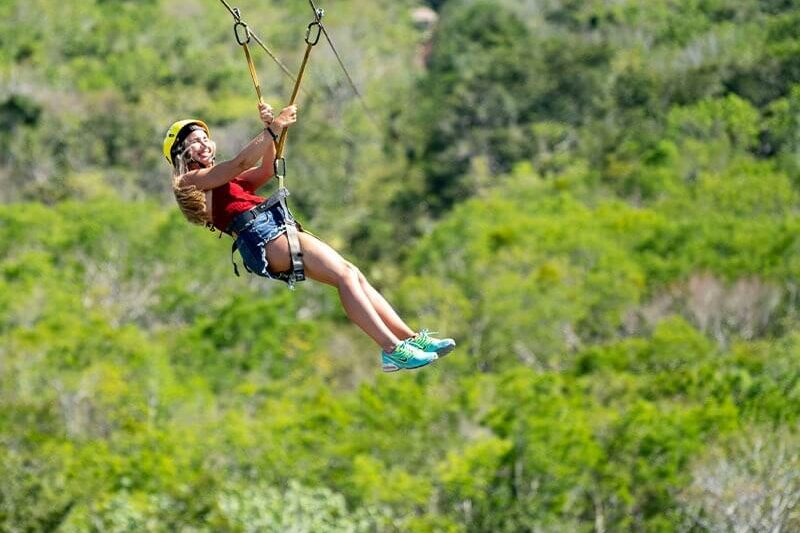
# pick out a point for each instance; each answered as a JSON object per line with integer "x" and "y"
{"x": 598, "y": 200}
{"x": 478, "y": 71}
{"x": 297, "y": 509}
{"x": 542, "y": 274}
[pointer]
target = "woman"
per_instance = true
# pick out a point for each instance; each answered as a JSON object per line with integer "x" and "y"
{"x": 223, "y": 196}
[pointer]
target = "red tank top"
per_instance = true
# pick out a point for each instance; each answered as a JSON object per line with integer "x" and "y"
{"x": 227, "y": 201}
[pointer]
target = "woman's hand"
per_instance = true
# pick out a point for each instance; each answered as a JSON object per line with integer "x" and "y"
{"x": 267, "y": 116}
{"x": 287, "y": 116}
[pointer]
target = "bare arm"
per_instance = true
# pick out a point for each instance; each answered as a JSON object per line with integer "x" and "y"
{"x": 209, "y": 178}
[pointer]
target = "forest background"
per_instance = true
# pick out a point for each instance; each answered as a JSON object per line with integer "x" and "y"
{"x": 598, "y": 199}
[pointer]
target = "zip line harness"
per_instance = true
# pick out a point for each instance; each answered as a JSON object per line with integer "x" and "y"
{"x": 243, "y": 35}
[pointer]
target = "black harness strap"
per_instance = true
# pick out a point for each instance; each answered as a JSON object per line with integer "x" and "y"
{"x": 295, "y": 251}
{"x": 235, "y": 247}
{"x": 242, "y": 219}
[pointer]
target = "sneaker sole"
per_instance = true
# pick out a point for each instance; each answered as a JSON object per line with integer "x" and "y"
{"x": 389, "y": 367}
{"x": 446, "y": 350}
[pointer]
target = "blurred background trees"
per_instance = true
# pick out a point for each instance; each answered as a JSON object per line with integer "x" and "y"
{"x": 597, "y": 199}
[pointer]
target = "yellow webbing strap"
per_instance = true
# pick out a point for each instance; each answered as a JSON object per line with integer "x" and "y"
{"x": 238, "y": 27}
{"x": 310, "y": 43}
{"x": 253, "y": 74}
{"x": 295, "y": 251}
{"x": 293, "y": 99}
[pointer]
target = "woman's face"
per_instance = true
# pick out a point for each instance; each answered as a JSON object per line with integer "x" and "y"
{"x": 201, "y": 148}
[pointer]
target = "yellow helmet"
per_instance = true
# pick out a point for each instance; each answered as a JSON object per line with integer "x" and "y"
{"x": 172, "y": 135}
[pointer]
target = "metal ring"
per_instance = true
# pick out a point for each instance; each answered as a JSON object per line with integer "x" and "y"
{"x": 314, "y": 41}
{"x": 239, "y": 39}
{"x": 279, "y": 166}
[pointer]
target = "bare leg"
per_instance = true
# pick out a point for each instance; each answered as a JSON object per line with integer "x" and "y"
{"x": 385, "y": 310}
{"x": 322, "y": 263}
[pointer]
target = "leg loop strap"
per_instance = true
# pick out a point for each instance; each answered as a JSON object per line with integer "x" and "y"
{"x": 295, "y": 251}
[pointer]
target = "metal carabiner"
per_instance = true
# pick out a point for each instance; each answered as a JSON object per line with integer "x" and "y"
{"x": 239, "y": 39}
{"x": 315, "y": 40}
{"x": 279, "y": 166}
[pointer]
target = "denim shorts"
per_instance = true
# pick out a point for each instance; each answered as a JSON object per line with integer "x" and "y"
{"x": 252, "y": 241}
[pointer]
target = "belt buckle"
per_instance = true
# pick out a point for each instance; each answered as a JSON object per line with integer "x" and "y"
{"x": 249, "y": 217}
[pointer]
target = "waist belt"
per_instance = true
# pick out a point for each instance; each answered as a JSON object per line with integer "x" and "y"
{"x": 296, "y": 253}
{"x": 242, "y": 219}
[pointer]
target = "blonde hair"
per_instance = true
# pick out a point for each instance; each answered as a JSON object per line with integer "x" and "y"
{"x": 191, "y": 200}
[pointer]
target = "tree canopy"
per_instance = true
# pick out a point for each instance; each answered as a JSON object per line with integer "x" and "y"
{"x": 598, "y": 200}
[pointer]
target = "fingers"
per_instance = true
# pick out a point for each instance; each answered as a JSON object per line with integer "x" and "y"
{"x": 291, "y": 108}
{"x": 266, "y": 113}
{"x": 287, "y": 116}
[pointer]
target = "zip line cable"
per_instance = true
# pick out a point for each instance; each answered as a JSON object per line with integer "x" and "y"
{"x": 370, "y": 115}
{"x": 237, "y": 17}
{"x": 317, "y": 12}
{"x": 311, "y": 42}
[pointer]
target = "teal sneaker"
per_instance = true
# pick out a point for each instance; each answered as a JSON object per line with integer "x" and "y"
{"x": 426, "y": 343}
{"x": 406, "y": 357}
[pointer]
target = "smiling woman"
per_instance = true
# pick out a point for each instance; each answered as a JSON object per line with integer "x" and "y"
{"x": 191, "y": 200}
{"x": 223, "y": 196}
